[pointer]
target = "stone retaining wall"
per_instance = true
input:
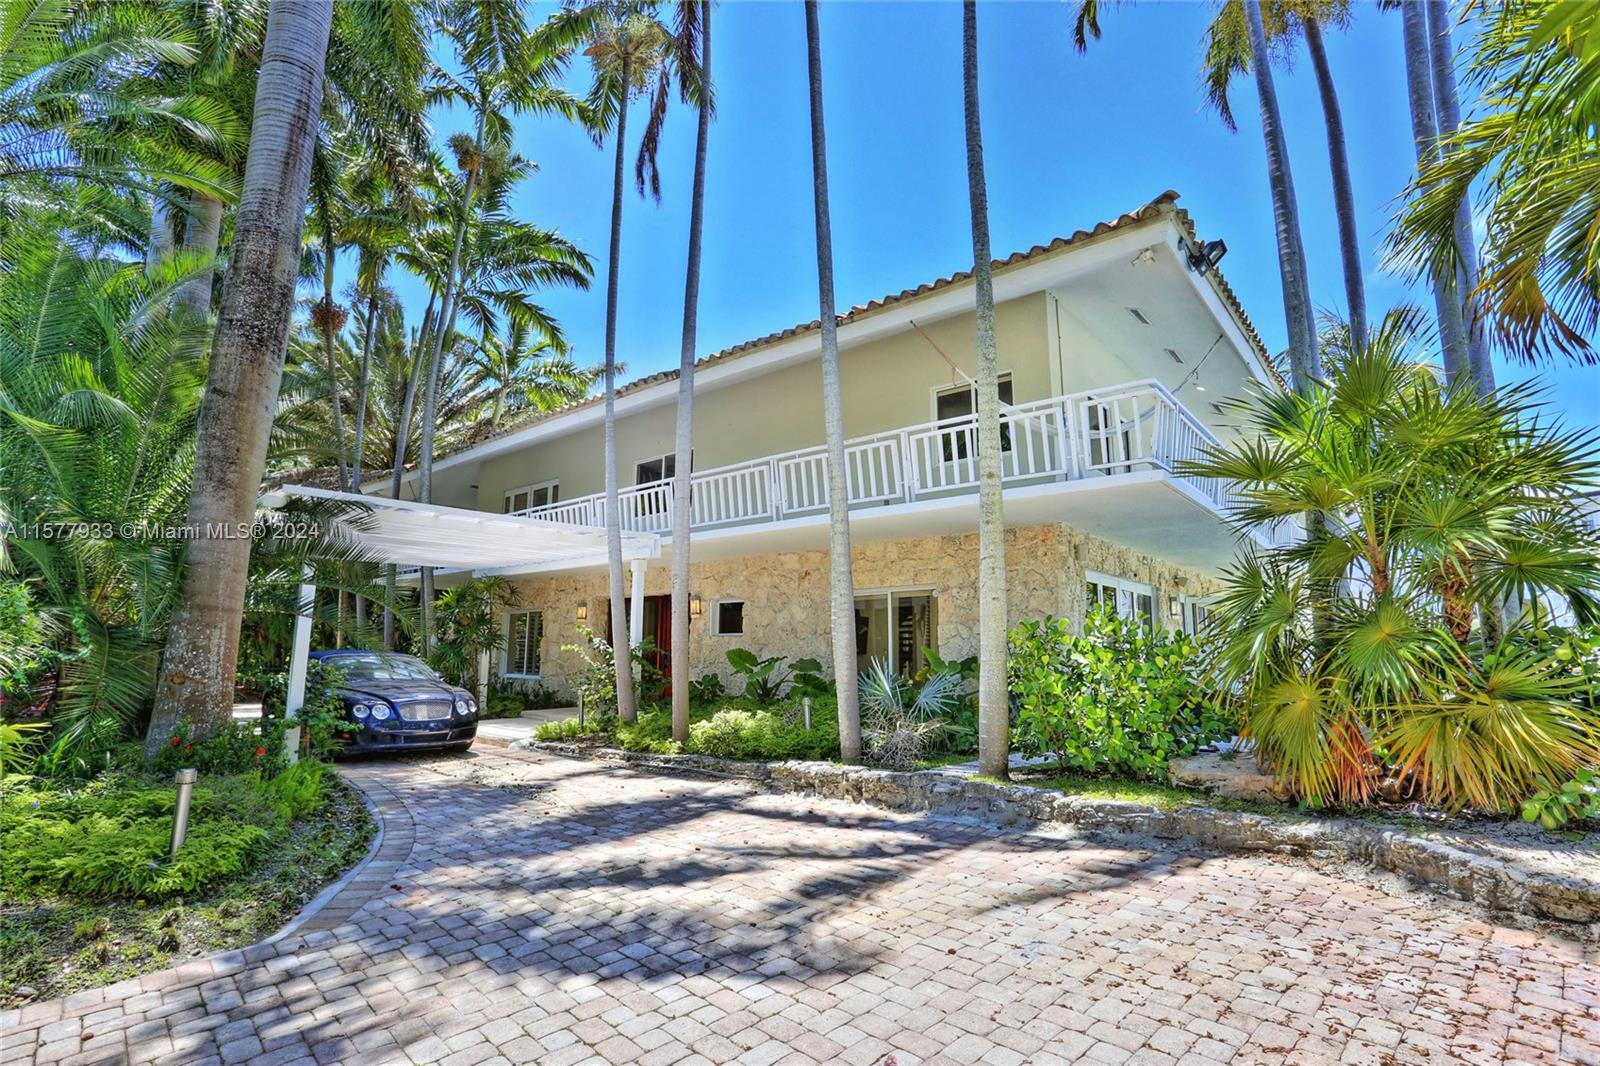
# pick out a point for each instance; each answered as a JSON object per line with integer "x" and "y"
{"x": 1492, "y": 883}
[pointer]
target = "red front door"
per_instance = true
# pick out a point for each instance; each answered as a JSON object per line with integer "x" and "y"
{"x": 657, "y": 633}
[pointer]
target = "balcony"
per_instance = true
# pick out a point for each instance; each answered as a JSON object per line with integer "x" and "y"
{"x": 1135, "y": 428}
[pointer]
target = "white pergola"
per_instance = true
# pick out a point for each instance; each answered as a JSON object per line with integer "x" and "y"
{"x": 407, "y": 533}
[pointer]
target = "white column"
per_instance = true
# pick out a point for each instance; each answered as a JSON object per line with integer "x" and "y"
{"x": 299, "y": 659}
{"x": 636, "y": 616}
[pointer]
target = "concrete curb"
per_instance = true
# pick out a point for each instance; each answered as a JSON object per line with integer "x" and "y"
{"x": 1436, "y": 865}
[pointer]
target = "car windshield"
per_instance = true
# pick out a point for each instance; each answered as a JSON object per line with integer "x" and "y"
{"x": 382, "y": 668}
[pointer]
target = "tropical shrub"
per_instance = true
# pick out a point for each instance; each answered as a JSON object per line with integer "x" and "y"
{"x": 764, "y": 679}
{"x": 900, "y": 721}
{"x": 1382, "y": 642}
{"x": 707, "y": 689}
{"x": 597, "y": 683}
{"x": 468, "y": 619}
{"x": 736, "y": 729}
{"x": 1576, "y": 800}
{"x": 113, "y": 840}
{"x": 235, "y": 750}
{"x": 1120, "y": 699}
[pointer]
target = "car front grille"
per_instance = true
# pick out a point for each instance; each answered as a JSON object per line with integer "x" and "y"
{"x": 425, "y": 711}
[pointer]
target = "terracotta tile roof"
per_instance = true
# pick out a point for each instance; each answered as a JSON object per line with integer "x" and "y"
{"x": 1166, "y": 203}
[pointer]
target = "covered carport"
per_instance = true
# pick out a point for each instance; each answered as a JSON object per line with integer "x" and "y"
{"x": 409, "y": 534}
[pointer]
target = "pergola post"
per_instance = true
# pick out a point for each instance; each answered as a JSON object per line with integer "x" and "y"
{"x": 299, "y": 660}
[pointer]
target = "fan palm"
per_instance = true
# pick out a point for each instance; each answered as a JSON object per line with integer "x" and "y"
{"x": 1437, "y": 507}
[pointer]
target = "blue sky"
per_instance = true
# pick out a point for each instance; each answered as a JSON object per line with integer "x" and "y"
{"x": 1069, "y": 140}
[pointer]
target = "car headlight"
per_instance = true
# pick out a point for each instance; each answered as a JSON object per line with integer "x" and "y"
{"x": 463, "y": 706}
{"x": 380, "y": 711}
{"x": 361, "y": 710}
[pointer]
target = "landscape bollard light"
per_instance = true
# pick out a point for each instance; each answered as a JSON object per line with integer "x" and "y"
{"x": 180, "y": 816}
{"x": 805, "y": 705}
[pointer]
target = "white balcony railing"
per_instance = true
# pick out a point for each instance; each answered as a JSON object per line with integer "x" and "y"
{"x": 1127, "y": 428}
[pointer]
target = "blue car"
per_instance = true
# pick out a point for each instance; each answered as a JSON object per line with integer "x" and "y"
{"x": 397, "y": 703}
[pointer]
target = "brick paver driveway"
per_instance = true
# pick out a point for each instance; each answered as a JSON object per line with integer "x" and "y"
{"x": 556, "y": 911}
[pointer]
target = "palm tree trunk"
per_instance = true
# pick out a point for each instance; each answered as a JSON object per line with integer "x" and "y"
{"x": 402, "y": 435}
{"x": 1344, "y": 200}
{"x": 1447, "y": 108}
{"x": 200, "y": 237}
{"x": 361, "y": 391}
{"x": 1425, "y": 134}
{"x": 1304, "y": 360}
{"x": 994, "y": 711}
{"x": 197, "y": 668}
{"x": 622, "y": 655}
{"x": 430, "y": 394}
{"x": 333, "y": 366}
{"x": 843, "y": 613}
{"x": 681, "y": 499}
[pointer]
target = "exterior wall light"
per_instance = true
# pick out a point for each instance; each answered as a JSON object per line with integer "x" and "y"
{"x": 697, "y": 606}
{"x": 583, "y": 610}
{"x": 1203, "y": 258}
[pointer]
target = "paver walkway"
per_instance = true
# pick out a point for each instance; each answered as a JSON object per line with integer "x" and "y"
{"x": 557, "y": 911}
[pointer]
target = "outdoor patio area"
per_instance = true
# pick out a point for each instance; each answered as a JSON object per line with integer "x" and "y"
{"x": 526, "y": 908}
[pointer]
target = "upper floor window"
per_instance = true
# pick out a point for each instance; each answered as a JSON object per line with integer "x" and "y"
{"x": 959, "y": 402}
{"x": 524, "y": 636}
{"x": 539, "y": 495}
{"x": 660, "y": 468}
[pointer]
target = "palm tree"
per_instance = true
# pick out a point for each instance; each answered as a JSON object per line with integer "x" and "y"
{"x": 1239, "y": 33}
{"x": 629, "y": 50}
{"x": 1436, "y": 503}
{"x": 994, "y": 711}
{"x": 504, "y": 70}
{"x": 100, "y": 389}
{"x": 693, "y": 19}
{"x": 1304, "y": 363}
{"x": 1447, "y": 108}
{"x": 843, "y": 599}
{"x": 1425, "y": 135}
{"x": 78, "y": 121}
{"x": 519, "y": 375}
{"x": 1532, "y": 154}
{"x": 1228, "y": 52}
{"x": 197, "y": 671}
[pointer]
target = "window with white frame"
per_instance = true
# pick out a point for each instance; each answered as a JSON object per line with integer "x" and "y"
{"x": 727, "y": 618}
{"x": 1196, "y": 609}
{"x": 539, "y": 495}
{"x": 958, "y": 402}
{"x": 1125, "y": 598}
{"x": 524, "y": 635}
{"x": 897, "y": 626}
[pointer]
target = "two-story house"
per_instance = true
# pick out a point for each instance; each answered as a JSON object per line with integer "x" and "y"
{"x": 1117, "y": 345}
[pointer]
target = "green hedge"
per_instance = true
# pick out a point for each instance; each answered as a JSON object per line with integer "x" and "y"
{"x": 735, "y": 729}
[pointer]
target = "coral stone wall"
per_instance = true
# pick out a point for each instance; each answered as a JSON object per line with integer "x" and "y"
{"x": 786, "y": 594}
